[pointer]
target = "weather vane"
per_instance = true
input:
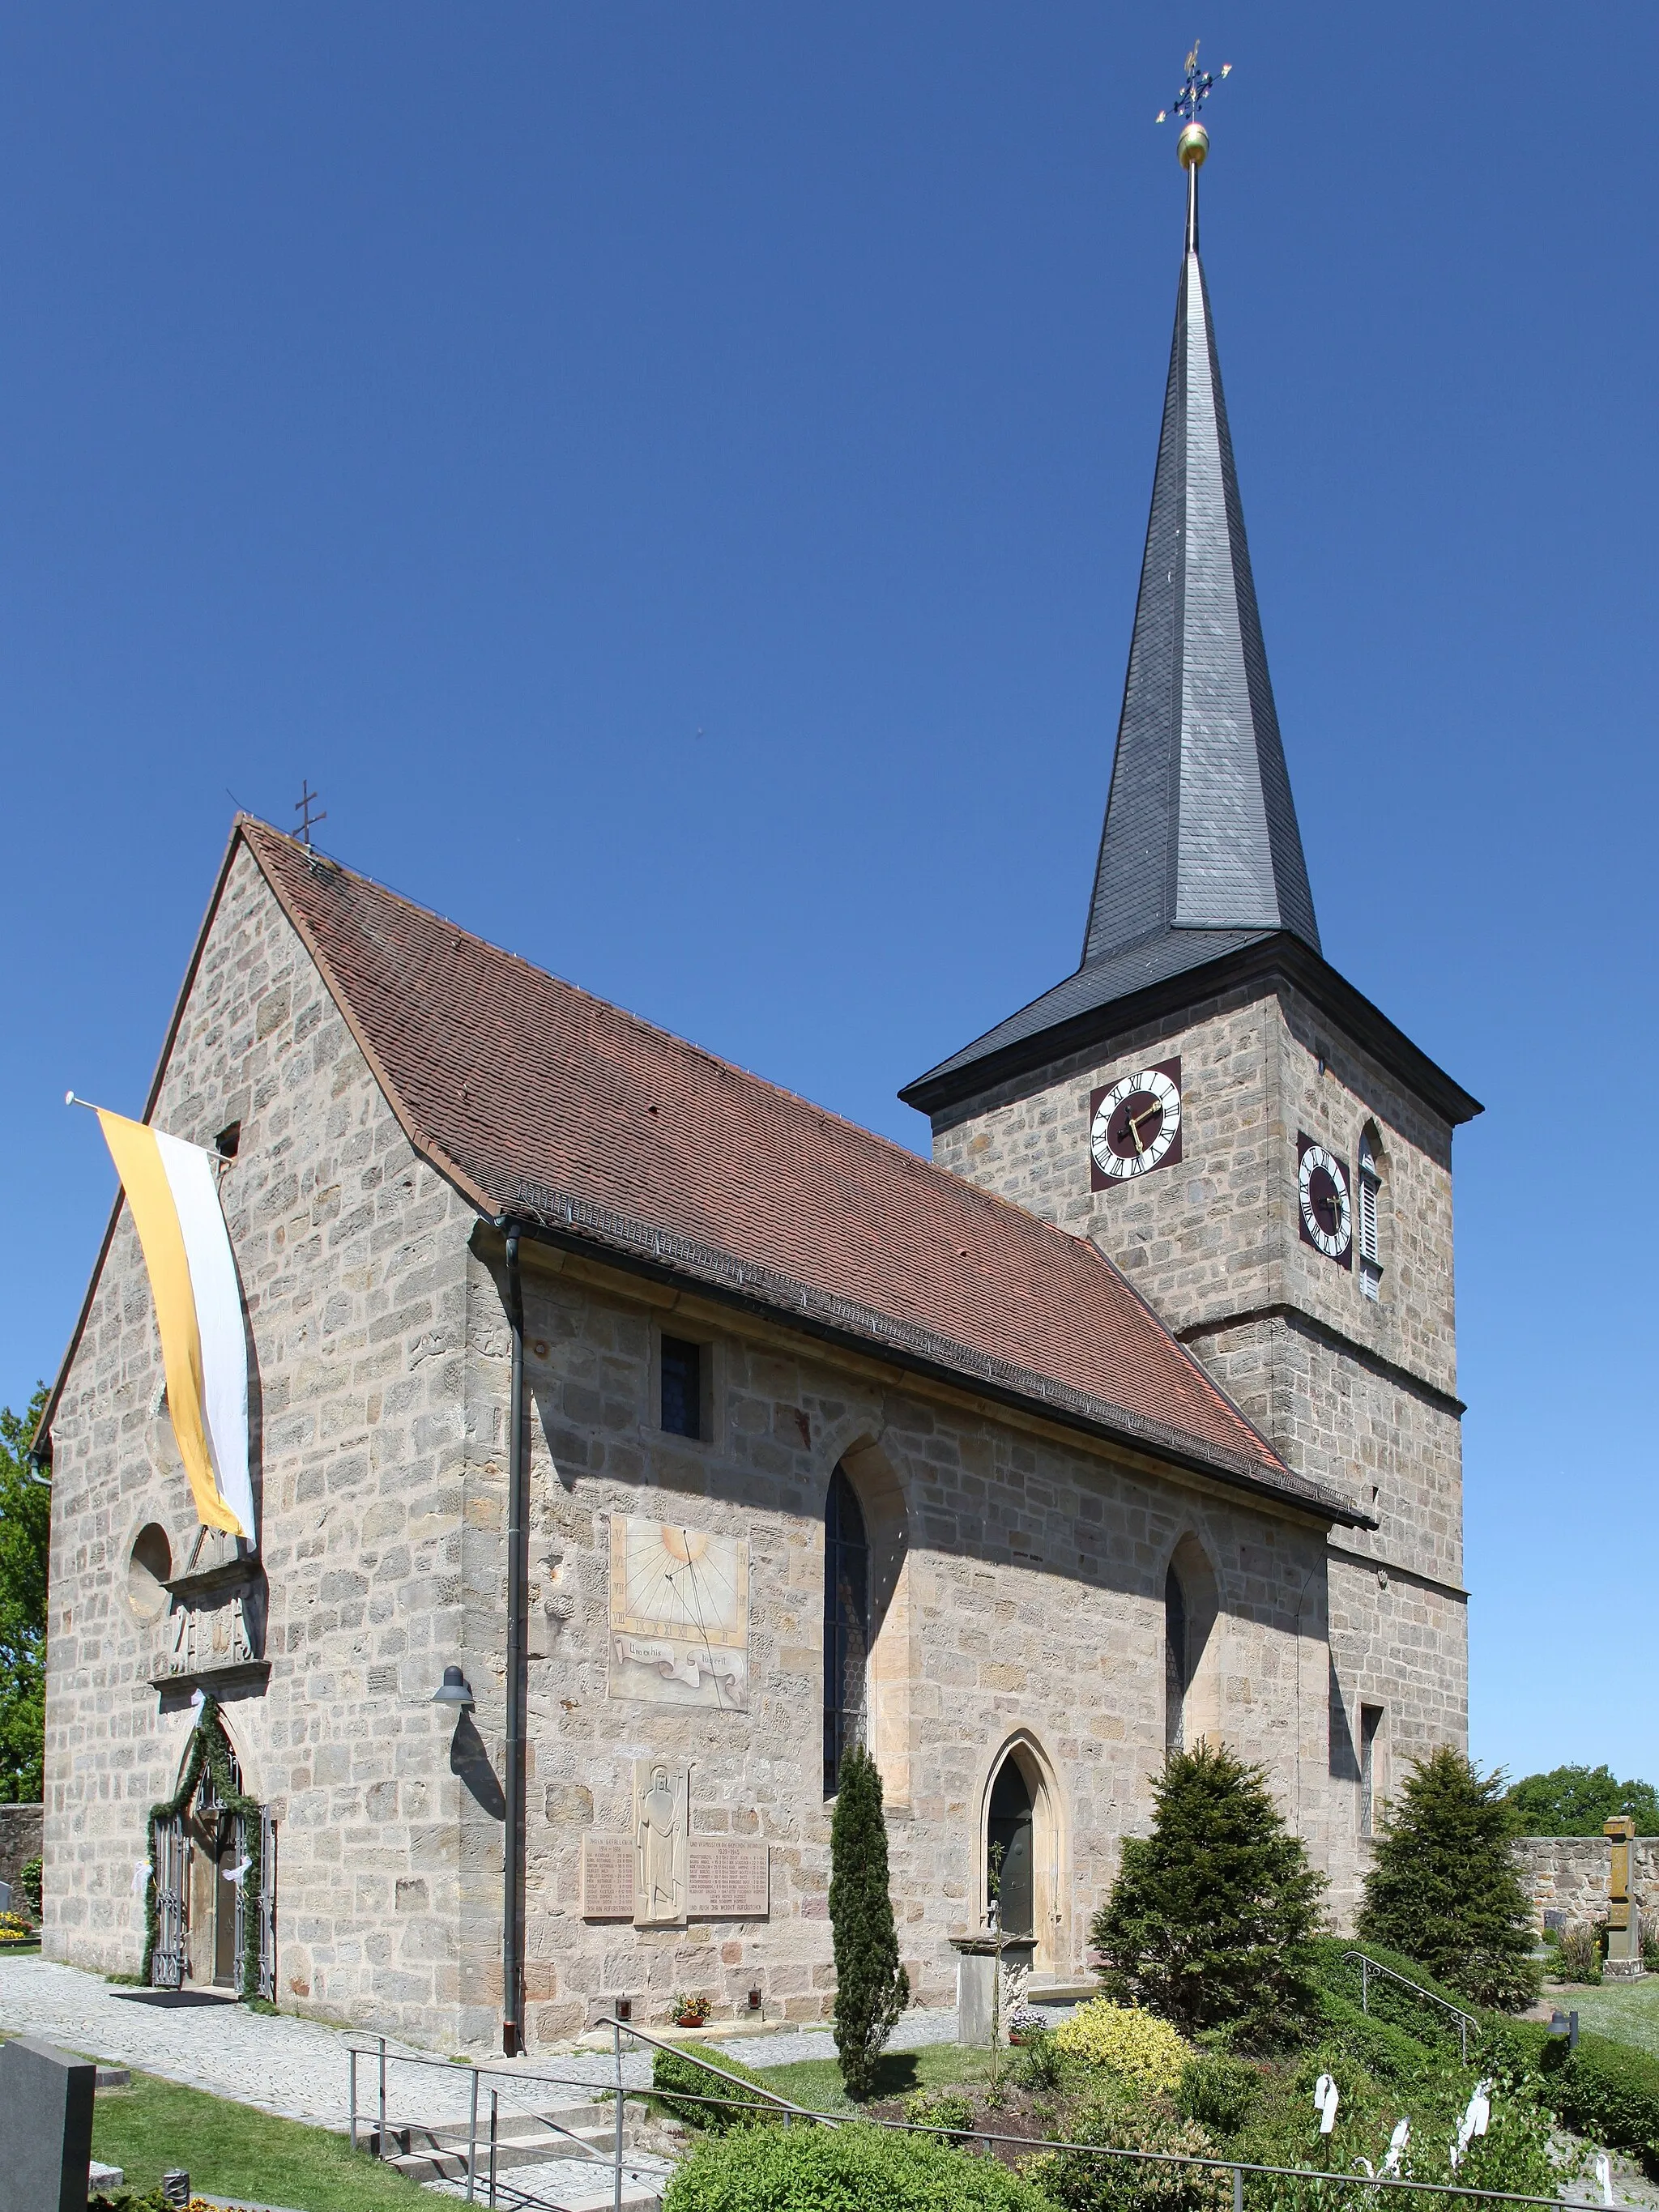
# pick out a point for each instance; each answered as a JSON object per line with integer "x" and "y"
{"x": 1188, "y": 102}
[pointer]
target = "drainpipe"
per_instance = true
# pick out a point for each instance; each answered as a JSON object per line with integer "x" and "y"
{"x": 518, "y": 1581}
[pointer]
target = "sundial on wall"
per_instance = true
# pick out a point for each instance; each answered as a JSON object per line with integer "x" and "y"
{"x": 679, "y": 1613}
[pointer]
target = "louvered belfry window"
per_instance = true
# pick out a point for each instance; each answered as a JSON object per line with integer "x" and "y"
{"x": 1370, "y": 1186}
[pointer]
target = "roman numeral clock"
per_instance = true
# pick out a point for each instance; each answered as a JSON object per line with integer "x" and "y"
{"x": 1324, "y": 1210}
{"x": 1134, "y": 1125}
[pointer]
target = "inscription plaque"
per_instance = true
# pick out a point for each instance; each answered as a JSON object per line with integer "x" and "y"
{"x": 607, "y": 1877}
{"x": 729, "y": 1880}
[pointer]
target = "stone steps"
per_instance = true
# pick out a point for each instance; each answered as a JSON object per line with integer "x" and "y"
{"x": 524, "y": 2136}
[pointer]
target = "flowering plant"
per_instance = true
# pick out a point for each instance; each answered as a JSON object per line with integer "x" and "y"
{"x": 690, "y": 2011}
{"x": 1025, "y": 2022}
{"x": 13, "y": 1930}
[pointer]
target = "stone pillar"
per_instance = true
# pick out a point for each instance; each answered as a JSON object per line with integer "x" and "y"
{"x": 1624, "y": 1960}
{"x": 976, "y": 1966}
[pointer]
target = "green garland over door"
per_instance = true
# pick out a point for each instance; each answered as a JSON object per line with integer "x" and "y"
{"x": 208, "y": 1747}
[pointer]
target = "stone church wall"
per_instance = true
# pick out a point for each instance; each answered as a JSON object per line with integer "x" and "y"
{"x": 1026, "y": 1606}
{"x": 352, "y": 1256}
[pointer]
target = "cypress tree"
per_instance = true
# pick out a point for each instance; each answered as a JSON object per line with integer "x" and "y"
{"x": 872, "y": 1987}
{"x": 1210, "y": 1919}
{"x": 1444, "y": 1888}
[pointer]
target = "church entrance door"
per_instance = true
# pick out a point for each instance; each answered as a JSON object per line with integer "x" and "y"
{"x": 1010, "y": 1825}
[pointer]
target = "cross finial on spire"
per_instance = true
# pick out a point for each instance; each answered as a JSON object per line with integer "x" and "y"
{"x": 1195, "y": 89}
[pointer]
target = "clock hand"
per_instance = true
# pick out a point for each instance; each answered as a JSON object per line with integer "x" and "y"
{"x": 1135, "y": 1121}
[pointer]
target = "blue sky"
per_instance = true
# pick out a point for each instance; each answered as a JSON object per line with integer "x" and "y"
{"x": 674, "y": 477}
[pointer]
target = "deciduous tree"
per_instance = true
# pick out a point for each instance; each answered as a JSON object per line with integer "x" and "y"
{"x": 24, "y": 1532}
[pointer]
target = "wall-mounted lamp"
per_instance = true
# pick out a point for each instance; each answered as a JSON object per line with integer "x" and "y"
{"x": 622, "y": 2008}
{"x": 1564, "y": 2028}
{"x": 454, "y": 1690}
{"x": 754, "y": 2000}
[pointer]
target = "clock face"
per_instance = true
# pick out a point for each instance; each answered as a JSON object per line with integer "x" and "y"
{"x": 1135, "y": 1125}
{"x": 1323, "y": 1202}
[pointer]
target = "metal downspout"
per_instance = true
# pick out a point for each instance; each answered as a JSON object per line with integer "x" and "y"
{"x": 518, "y": 1580}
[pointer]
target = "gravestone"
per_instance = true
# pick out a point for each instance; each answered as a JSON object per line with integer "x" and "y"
{"x": 45, "y": 2128}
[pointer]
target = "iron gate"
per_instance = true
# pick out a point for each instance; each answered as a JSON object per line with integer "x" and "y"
{"x": 166, "y": 1959}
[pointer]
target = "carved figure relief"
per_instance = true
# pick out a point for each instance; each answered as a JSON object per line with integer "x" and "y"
{"x": 661, "y": 1803}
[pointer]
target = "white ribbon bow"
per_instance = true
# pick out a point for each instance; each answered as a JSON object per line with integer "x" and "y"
{"x": 1474, "y": 2122}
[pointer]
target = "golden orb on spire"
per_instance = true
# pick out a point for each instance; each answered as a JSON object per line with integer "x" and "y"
{"x": 1193, "y": 145}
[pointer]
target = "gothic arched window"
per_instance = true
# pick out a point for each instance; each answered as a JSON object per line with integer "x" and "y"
{"x": 846, "y": 1626}
{"x": 1371, "y": 1189}
{"x": 1175, "y": 1662}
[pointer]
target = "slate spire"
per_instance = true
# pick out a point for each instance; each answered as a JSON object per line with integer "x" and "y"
{"x": 1200, "y": 830}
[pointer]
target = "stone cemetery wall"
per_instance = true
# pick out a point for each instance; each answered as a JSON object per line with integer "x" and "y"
{"x": 1568, "y": 1875}
{"x": 19, "y": 1839}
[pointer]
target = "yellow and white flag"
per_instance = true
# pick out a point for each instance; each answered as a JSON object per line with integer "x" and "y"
{"x": 174, "y": 1197}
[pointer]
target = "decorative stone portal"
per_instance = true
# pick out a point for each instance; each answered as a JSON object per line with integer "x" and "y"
{"x": 213, "y": 1863}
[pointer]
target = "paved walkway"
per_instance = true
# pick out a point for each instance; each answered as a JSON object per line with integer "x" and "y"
{"x": 299, "y": 2068}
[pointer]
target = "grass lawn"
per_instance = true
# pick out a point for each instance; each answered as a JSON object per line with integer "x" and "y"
{"x": 816, "y": 2083}
{"x": 1628, "y": 2012}
{"x": 230, "y": 2150}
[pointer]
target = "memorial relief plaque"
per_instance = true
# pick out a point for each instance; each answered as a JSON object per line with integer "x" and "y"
{"x": 607, "y": 1877}
{"x": 730, "y": 1879}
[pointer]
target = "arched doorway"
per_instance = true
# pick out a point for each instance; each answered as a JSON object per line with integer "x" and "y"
{"x": 1010, "y": 1850}
{"x": 1020, "y": 1813}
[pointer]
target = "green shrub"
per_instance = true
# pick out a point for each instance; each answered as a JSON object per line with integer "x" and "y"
{"x": 1209, "y": 1919}
{"x": 872, "y": 1987}
{"x": 1336, "y": 1967}
{"x": 1219, "y": 2092}
{"x": 1040, "y": 2063}
{"x": 1608, "y": 2091}
{"x": 945, "y": 2108}
{"x": 1444, "y": 1888}
{"x": 1381, "y": 2046}
{"x": 1078, "y": 2183}
{"x": 1137, "y": 2044}
{"x": 848, "y": 2169}
{"x": 30, "y": 1875}
{"x": 680, "y": 2069}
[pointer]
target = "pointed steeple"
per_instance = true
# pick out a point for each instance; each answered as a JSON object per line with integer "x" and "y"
{"x": 1200, "y": 855}
{"x": 1200, "y": 828}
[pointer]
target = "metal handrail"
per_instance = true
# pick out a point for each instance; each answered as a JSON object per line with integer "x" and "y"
{"x": 679, "y": 2050}
{"x": 755, "y": 2099}
{"x": 1368, "y": 1966}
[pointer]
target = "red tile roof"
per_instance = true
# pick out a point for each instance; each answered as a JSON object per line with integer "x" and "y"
{"x": 538, "y": 1100}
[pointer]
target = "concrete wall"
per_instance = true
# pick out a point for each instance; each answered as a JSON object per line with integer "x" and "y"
{"x": 1569, "y": 1874}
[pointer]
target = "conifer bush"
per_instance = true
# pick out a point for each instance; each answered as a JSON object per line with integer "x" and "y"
{"x": 1211, "y": 1917}
{"x": 1444, "y": 1888}
{"x": 872, "y": 1987}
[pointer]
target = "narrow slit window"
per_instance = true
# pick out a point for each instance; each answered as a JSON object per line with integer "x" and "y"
{"x": 1370, "y": 1721}
{"x": 1174, "y": 1663}
{"x": 681, "y": 1386}
{"x": 846, "y": 1626}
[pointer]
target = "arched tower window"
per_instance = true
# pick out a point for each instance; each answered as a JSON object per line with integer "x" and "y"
{"x": 1371, "y": 1191}
{"x": 846, "y": 1626}
{"x": 1174, "y": 1663}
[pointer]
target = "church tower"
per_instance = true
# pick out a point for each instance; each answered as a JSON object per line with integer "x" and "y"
{"x": 1263, "y": 1153}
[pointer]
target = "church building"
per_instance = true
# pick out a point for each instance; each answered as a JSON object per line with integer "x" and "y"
{"x": 625, "y": 1438}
